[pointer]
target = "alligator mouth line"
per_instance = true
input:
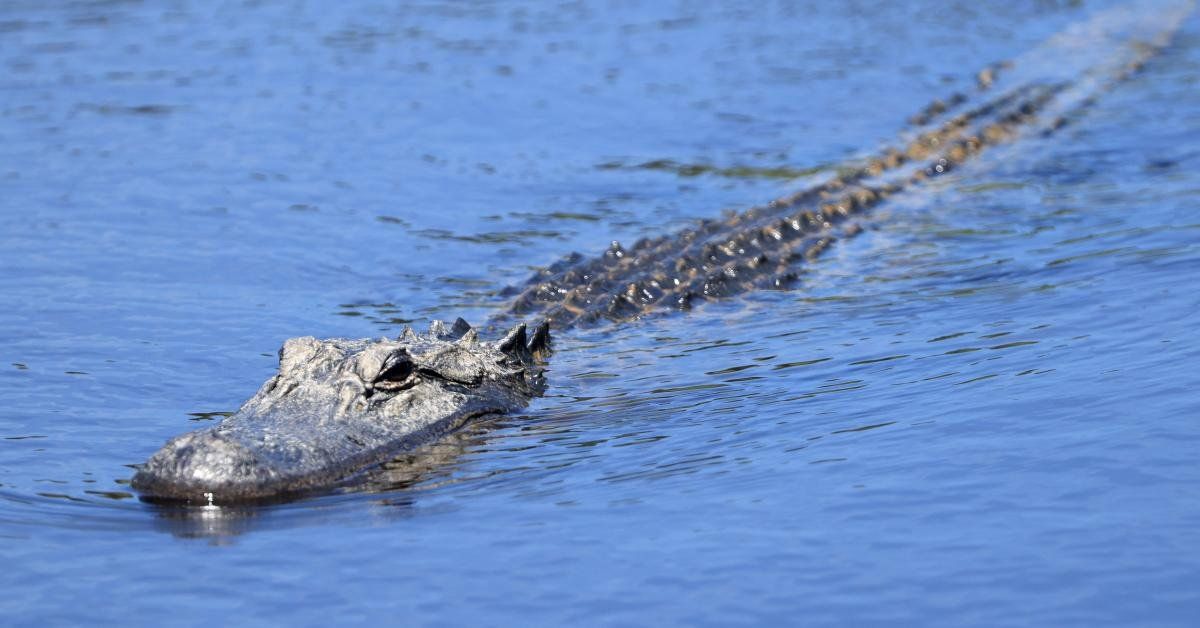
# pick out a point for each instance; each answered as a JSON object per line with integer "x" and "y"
{"x": 305, "y": 431}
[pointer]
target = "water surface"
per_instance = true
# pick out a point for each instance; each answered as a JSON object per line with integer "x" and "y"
{"x": 981, "y": 411}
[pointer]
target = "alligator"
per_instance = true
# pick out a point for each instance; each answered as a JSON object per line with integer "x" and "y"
{"x": 337, "y": 408}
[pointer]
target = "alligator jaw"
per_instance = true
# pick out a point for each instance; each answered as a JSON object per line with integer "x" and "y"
{"x": 338, "y": 407}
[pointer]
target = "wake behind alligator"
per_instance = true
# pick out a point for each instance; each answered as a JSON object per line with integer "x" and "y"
{"x": 339, "y": 407}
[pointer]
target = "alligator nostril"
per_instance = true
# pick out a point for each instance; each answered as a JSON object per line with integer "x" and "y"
{"x": 201, "y": 462}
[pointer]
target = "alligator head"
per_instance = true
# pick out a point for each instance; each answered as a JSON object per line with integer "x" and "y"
{"x": 337, "y": 407}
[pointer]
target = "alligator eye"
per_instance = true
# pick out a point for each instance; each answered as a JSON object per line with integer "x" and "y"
{"x": 396, "y": 373}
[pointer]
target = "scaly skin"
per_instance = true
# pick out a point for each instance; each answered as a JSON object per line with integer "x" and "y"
{"x": 764, "y": 246}
{"x": 338, "y": 407}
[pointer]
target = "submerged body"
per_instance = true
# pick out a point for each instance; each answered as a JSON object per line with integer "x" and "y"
{"x": 337, "y": 407}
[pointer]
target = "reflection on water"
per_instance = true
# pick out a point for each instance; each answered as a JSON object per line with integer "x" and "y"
{"x": 978, "y": 411}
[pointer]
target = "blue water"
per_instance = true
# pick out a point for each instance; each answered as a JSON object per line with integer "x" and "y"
{"x": 980, "y": 412}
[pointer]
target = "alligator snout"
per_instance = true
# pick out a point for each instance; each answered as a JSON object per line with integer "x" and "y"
{"x": 198, "y": 465}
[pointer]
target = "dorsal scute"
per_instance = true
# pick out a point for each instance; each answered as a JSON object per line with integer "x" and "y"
{"x": 460, "y": 328}
{"x": 519, "y": 344}
{"x": 539, "y": 344}
{"x": 469, "y": 339}
{"x": 514, "y": 342}
{"x": 438, "y": 330}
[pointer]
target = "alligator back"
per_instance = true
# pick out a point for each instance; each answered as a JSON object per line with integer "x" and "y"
{"x": 765, "y": 246}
